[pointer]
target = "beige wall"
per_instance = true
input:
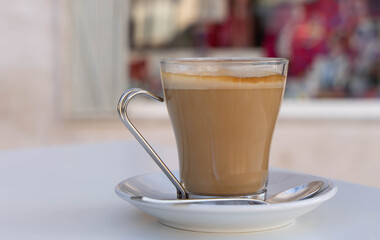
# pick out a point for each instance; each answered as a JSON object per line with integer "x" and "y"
{"x": 27, "y": 83}
{"x": 34, "y": 75}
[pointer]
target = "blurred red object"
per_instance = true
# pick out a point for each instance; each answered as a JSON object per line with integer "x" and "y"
{"x": 236, "y": 30}
{"x": 138, "y": 70}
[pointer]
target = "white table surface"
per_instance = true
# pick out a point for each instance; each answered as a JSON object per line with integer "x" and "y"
{"x": 67, "y": 192}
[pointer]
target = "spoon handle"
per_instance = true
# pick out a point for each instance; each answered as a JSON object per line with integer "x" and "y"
{"x": 197, "y": 200}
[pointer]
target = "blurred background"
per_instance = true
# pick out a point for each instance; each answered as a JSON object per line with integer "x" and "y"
{"x": 64, "y": 65}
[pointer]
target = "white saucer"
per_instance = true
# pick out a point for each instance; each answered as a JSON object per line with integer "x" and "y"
{"x": 223, "y": 218}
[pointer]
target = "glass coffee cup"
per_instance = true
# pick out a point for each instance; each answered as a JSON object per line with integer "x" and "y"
{"x": 223, "y": 112}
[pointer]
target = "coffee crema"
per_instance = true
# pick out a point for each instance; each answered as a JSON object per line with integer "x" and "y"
{"x": 223, "y": 127}
{"x": 187, "y": 81}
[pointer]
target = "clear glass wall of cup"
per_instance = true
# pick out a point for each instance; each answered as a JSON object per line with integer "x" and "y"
{"x": 223, "y": 112}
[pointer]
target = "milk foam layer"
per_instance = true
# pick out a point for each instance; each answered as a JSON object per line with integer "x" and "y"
{"x": 223, "y": 80}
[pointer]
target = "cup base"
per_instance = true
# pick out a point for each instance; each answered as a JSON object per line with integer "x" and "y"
{"x": 259, "y": 196}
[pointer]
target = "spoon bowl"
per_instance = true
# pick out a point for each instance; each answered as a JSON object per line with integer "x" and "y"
{"x": 297, "y": 193}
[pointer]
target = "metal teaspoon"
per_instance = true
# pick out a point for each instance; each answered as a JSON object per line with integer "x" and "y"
{"x": 292, "y": 194}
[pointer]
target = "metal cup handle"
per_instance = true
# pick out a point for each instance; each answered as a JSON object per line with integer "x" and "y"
{"x": 122, "y": 109}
